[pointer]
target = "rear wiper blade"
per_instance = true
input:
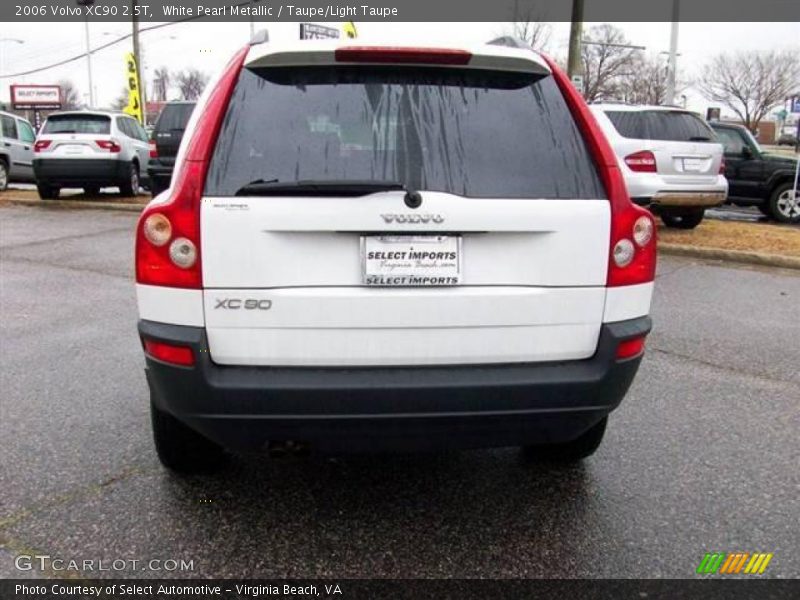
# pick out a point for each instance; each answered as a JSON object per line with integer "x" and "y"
{"x": 318, "y": 187}
{"x": 699, "y": 138}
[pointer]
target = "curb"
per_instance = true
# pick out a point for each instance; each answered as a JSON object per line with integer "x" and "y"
{"x": 740, "y": 256}
{"x": 122, "y": 206}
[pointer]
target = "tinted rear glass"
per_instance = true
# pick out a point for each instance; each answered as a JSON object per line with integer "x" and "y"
{"x": 478, "y": 134}
{"x": 174, "y": 116}
{"x": 673, "y": 126}
{"x": 77, "y": 124}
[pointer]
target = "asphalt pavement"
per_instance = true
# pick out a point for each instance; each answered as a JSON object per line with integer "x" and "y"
{"x": 702, "y": 455}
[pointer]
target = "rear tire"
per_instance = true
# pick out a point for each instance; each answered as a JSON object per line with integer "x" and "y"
{"x": 569, "y": 452}
{"x": 682, "y": 219}
{"x": 3, "y": 176}
{"x": 182, "y": 449}
{"x": 782, "y": 207}
{"x": 47, "y": 192}
{"x": 130, "y": 186}
{"x": 92, "y": 190}
{"x": 156, "y": 188}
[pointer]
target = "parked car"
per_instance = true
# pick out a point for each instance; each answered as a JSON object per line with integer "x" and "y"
{"x": 788, "y": 139}
{"x": 758, "y": 178}
{"x": 16, "y": 150}
{"x": 671, "y": 161}
{"x": 401, "y": 248}
{"x": 90, "y": 150}
{"x": 165, "y": 141}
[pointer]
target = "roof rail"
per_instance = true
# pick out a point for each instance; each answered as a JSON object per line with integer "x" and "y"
{"x": 259, "y": 37}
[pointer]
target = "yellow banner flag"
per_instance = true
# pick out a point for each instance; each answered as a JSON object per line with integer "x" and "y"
{"x": 350, "y": 30}
{"x": 134, "y": 107}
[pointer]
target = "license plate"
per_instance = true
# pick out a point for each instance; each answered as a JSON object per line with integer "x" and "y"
{"x": 692, "y": 164}
{"x": 411, "y": 260}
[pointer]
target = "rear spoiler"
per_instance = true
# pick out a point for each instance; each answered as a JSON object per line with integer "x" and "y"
{"x": 493, "y": 56}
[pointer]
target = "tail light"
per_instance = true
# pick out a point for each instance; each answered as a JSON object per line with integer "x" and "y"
{"x": 153, "y": 149}
{"x": 722, "y": 166}
{"x": 41, "y": 145}
{"x": 630, "y": 348}
{"x": 168, "y": 250}
{"x": 391, "y": 54}
{"x": 641, "y": 162}
{"x": 632, "y": 250}
{"x": 110, "y": 145}
{"x": 170, "y": 353}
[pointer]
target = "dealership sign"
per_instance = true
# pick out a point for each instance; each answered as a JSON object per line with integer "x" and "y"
{"x": 36, "y": 97}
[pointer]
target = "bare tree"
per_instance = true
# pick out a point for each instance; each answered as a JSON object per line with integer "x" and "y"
{"x": 645, "y": 82}
{"x": 191, "y": 83}
{"x": 121, "y": 101}
{"x": 70, "y": 96}
{"x": 606, "y": 62}
{"x": 530, "y": 27}
{"x": 161, "y": 83}
{"x": 751, "y": 83}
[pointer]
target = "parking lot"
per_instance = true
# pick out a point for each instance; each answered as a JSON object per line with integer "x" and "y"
{"x": 701, "y": 456}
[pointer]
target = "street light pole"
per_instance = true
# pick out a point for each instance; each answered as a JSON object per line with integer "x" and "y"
{"x": 138, "y": 58}
{"x": 86, "y": 3}
{"x": 575, "y": 31}
{"x": 673, "y": 53}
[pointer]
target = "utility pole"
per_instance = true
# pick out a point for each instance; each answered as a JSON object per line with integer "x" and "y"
{"x": 673, "y": 53}
{"x": 137, "y": 56}
{"x": 85, "y": 4}
{"x": 575, "y": 31}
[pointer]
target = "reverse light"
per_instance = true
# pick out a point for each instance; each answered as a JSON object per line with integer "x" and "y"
{"x": 392, "y": 54}
{"x": 630, "y": 348}
{"x": 642, "y": 231}
{"x": 157, "y": 229}
{"x": 41, "y": 145}
{"x": 183, "y": 253}
{"x": 170, "y": 353}
{"x": 641, "y": 162}
{"x": 623, "y": 252}
{"x": 110, "y": 145}
{"x": 153, "y": 149}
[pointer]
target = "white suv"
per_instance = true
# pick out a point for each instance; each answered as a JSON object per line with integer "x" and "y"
{"x": 368, "y": 247}
{"x": 670, "y": 157}
{"x": 90, "y": 150}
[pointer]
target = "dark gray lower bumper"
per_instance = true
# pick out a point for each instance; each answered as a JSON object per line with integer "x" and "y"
{"x": 80, "y": 172}
{"x": 391, "y": 407}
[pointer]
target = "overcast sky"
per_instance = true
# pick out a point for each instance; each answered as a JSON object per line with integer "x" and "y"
{"x": 209, "y": 45}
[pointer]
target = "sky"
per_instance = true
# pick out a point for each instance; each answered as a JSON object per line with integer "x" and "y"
{"x": 209, "y": 45}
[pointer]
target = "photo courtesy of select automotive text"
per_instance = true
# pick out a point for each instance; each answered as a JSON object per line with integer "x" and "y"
{"x": 399, "y": 299}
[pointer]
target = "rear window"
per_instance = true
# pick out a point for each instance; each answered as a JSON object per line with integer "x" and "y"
{"x": 663, "y": 125}
{"x": 77, "y": 124}
{"x": 477, "y": 134}
{"x": 174, "y": 116}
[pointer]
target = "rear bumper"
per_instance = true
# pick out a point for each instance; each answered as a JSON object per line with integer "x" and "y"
{"x": 160, "y": 173}
{"x": 689, "y": 199}
{"x": 398, "y": 408}
{"x": 79, "y": 172}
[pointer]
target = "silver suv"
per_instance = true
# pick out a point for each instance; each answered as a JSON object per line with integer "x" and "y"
{"x": 16, "y": 150}
{"x": 670, "y": 158}
{"x": 90, "y": 150}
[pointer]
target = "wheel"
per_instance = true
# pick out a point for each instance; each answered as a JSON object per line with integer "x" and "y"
{"x": 3, "y": 175}
{"x": 685, "y": 219}
{"x": 130, "y": 186}
{"x": 47, "y": 192}
{"x": 764, "y": 209}
{"x": 91, "y": 190}
{"x": 157, "y": 187}
{"x": 784, "y": 203}
{"x": 573, "y": 451}
{"x": 182, "y": 449}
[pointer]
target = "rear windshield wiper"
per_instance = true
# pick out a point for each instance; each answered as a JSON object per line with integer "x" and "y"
{"x": 699, "y": 138}
{"x": 319, "y": 187}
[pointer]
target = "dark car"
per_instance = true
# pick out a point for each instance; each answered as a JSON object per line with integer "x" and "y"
{"x": 757, "y": 178}
{"x": 165, "y": 141}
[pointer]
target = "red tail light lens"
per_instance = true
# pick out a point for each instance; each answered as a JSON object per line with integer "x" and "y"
{"x": 168, "y": 250}
{"x": 626, "y": 217}
{"x": 641, "y": 162}
{"x": 176, "y": 355}
{"x": 110, "y": 145}
{"x": 153, "y": 149}
{"x": 722, "y": 166}
{"x": 630, "y": 348}
{"x": 41, "y": 145}
{"x": 391, "y": 54}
